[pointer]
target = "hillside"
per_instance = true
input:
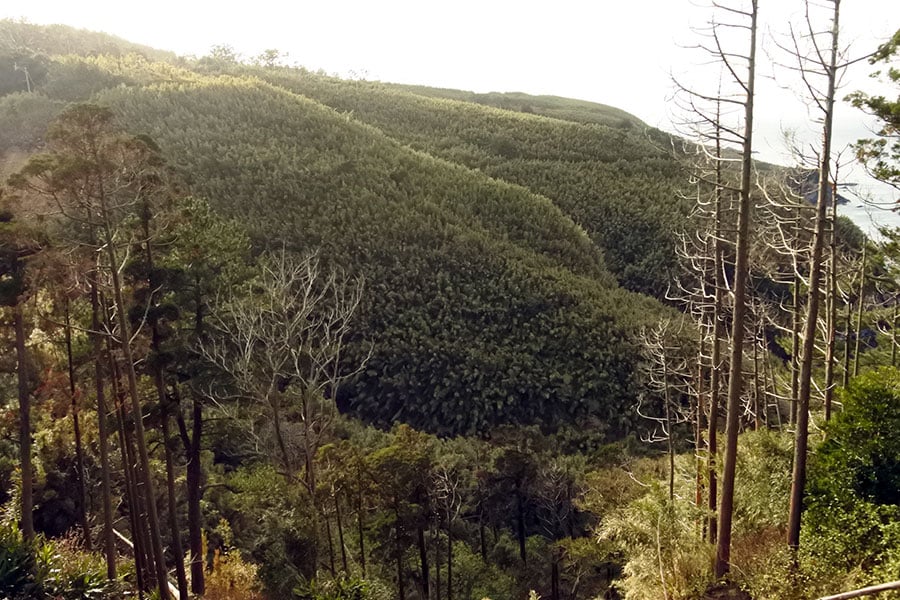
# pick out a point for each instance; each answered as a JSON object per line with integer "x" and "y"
{"x": 486, "y": 302}
{"x": 298, "y": 337}
{"x": 618, "y": 182}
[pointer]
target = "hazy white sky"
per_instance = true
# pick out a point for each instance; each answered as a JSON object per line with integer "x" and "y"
{"x": 615, "y": 52}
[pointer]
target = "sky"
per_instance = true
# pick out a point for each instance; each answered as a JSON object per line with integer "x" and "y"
{"x": 621, "y": 53}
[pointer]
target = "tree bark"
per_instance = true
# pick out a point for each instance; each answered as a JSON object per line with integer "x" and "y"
{"x": 340, "y": 528}
{"x": 423, "y": 561}
{"x": 109, "y": 541}
{"x": 726, "y": 511}
{"x": 798, "y": 479}
{"x": 131, "y": 376}
{"x": 22, "y": 372}
{"x": 180, "y": 574}
{"x": 76, "y": 430}
{"x": 857, "y": 350}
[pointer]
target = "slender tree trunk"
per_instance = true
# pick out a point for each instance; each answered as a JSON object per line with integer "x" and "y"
{"x": 328, "y": 536}
{"x": 894, "y": 335}
{"x": 698, "y": 426}
{"x": 795, "y": 331}
{"x": 520, "y": 524}
{"x": 831, "y": 306}
{"x": 857, "y": 351}
{"x": 423, "y": 561}
{"x": 194, "y": 484}
{"x": 135, "y": 510}
{"x": 22, "y": 372}
{"x": 757, "y": 412}
{"x": 715, "y": 383}
{"x": 450, "y": 556}
{"x": 726, "y": 511}
{"x": 360, "y": 525}
{"x": 164, "y": 408}
{"x": 340, "y": 528}
{"x": 554, "y": 577}
{"x": 670, "y": 446}
{"x": 437, "y": 560}
{"x": 401, "y": 593}
{"x": 847, "y": 332}
{"x": 109, "y": 541}
{"x": 76, "y": 430}
{"x": 177, "y": 549}
{"x": 275, "y": 403}
{"x": 798, "y": 479}
{"x": 131, "y": 376}
{"x": 482, "y": 542}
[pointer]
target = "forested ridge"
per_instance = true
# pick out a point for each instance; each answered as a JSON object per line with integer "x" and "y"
{"x": 278, "y": 334}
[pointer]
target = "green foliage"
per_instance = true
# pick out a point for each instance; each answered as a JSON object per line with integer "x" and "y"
{"x": 272, "y": 520}
{"x": 473, "y": 578}
{"x": 853, "y": 504}
{"x": 51, "y": 570}
{"x": 474, "y": 289}
{"x": 24, "y": 119}
{"x": 17, "y": 572}
{"x": 661, "y": 542}
{"x": 616, "y": 183}
{"x": 881, "y": 155}
{"x": 341, "y": 589}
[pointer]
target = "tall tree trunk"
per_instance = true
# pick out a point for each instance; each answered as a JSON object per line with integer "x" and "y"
{"x": 698, "y": 425}
{"x": 76, "y": 430}
{"x": 194, "y": 485}
{"x": 437, "y": 560}
{"x": 340, "y": 528}
{"x": 715, "y": 383}
{"x": 481, "y": 533}
{"x": 360, "y": 525}
{"x": 142, "y": 562}
{"x": 141, "y": 441}
{"x": 398, "y": 550}
{"x": 330, "y": 538}
{"x": 520, "y": 524}
{"x": 670, "y": 446}
{"x": 726, "y": 510}
{"x": 177, "y": 549}
{"x": 109, "y": 540}
{"x": 423, "y": 562}
{"x": 798, "y": 479}
{"x": 757, "y": 405}
{"x": 165, "y": 409}
{"x": 857, "y": 350}
{"x": 22, "y": 373}
{"x": 554, "y": 576}
{"x": 894, "y": 334}
{"x": 795, "y": 330}
{"x": 450, "y": 556}
{"x": 845, "y": 381}
{"x": 831, "y": 305}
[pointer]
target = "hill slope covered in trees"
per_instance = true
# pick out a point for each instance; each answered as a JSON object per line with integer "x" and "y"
{"x": 486, "y": 237}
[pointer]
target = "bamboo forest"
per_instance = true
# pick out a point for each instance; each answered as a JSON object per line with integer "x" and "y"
{"x": 270, "y": 333}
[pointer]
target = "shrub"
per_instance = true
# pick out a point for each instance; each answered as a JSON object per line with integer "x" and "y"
{"x": 853, "y": 502}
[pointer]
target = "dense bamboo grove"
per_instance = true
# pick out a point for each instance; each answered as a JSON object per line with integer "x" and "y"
{"x": 275, "y": 334}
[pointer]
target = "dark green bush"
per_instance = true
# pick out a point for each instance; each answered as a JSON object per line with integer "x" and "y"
{"x": 853, "y": 503}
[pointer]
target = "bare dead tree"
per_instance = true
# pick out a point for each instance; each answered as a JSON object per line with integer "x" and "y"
{"x": 736, "y": 57}
{"x": 670, "y": 379}
{"x": 816, "y": 66}
{"x": 280, "y": 342}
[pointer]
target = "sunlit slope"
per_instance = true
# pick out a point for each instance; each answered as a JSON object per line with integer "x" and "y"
{"x": 557, "y": 107}
{"x": 484, "y": 303}
{"x": 619, "y": 183}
